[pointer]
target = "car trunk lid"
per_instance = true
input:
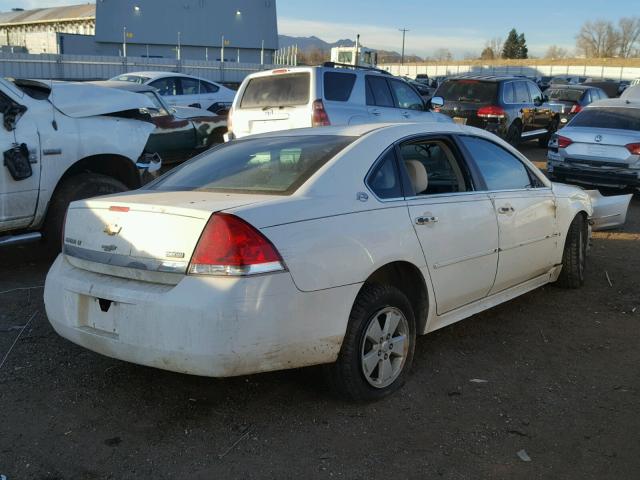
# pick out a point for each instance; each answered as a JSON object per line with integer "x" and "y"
{"x": 155, "y": 233}
{"x": 605, "y": 144}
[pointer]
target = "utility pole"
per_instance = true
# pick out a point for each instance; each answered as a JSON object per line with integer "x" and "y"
{"x": 124, "y": 41}
{"x": 404, "y": 32}
{"x": 178, "y": 52}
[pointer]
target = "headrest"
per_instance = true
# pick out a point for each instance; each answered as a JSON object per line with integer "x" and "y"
{"x": 417, "y": 175}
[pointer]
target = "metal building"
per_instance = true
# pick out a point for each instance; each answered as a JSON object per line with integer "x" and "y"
{"x": 232, "y": 30}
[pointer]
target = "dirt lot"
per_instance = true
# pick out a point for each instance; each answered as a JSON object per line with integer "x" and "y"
{"x": 562, "y": 383}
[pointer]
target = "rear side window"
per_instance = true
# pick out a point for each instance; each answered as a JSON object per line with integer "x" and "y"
{"x": 206, "y": 87}
{"x": 384, "y": 181}
{"x": 277, "y": 91}
{"x": 271, "y": 165}
{"x": 500, "y": 169}
{"x": 338, "y": 86}
{"x": 472, "y": 91}
{"x": 609, "y": 117}
{"x": 509, "y": 94}
{"x": 378, "y": 92}
{"x": 190, "y": 86}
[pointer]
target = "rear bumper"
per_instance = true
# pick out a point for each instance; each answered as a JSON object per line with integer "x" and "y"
{"x": 210, "y": 326}
{"x": 593, "y": 175}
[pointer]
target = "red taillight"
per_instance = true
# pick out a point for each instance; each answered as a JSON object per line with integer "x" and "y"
{"x": 564, "y": 142}
{"x": 576, "y": 108}
{"x": 634, "y": 148}
{"x": 230, "y": 246}
{"x": 492, "y": 111}
{"x": 280, "y": 70}
{"x": 116, "y": 208}
{"x": 319, "y": 117}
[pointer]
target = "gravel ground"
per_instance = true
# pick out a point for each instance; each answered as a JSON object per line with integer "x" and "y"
{"x": 559, "y": 373}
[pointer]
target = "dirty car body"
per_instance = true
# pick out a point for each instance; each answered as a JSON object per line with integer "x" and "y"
{"x": 154, "y": 277}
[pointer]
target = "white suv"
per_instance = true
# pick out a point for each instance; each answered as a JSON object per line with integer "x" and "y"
{"x": 299, "y": 97}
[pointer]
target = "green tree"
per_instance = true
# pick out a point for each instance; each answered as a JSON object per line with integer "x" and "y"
{"x": 487, "y": 54}
{"x": 523, "y": 51}
{"x": 511, "y": 48}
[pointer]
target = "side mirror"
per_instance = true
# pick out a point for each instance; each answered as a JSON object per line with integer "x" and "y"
{"x": 437, "y": 102}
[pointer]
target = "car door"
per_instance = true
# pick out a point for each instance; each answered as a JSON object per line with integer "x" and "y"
{"x": 525, "y": 107}
{"x": 169, "y": 89}
{"x": 526, "y": 211}
{"x": 21, "y": 163}
{"x": 542, "y": 113}
{"x": 456, "y": 224}
{"x": 407, "y": 100}
{"x": 380, "y": 103}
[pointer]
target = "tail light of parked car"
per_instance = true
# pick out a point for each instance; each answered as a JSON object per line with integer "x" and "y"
{"x": 230, "y": 246}
{"x": 492, "y": 111}
{"x": 634, "y": 148}
{"x": 319, "y": 117}
{"x": 563, "y": 142}
{"x": 576, "y": 109}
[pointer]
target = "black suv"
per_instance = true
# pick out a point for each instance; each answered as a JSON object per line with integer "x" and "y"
{"x": 513, "y": 108}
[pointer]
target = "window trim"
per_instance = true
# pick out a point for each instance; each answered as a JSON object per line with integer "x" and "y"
{"x": 529, "y": 171}
{"x": 399, "y": 172}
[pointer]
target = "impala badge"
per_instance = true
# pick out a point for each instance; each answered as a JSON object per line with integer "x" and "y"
{"x": 112, "y": 229}
{"x": 598, "y": 138}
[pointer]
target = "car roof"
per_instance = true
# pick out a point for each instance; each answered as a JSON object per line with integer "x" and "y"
{"x": 153, "y": 74}
{"x": 128, "y": 86}
{"x": 488, "y": 78}
{"x": 615, "y": 102}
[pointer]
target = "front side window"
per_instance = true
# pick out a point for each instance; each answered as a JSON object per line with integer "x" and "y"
{"x": 271, "y": 165}
{"x": 500, "y": 169}
{"x": 433, "y": 168}
{"x": 534, "y": 93}
{"x": 277, "y": 90}
{"x": 166, "y": 86}
{"x": 405, "y": 96}
{"x": 384, "y": 180}
{"x": 509, "y": 94}
{"x": 378, "y": 92}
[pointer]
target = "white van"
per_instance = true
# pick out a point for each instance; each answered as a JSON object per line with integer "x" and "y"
{"x": 299, "y": 97}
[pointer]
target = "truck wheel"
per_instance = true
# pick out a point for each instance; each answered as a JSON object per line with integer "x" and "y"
{"x": 377, "y": 350}
{"x": 514, "y": 134}
{"x": 77, "y": 187}
{"x": 553, "y": 128}
{"x": 574, "y": 255}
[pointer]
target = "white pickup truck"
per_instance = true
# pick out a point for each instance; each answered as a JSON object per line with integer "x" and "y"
{"x": 63, "y": 141}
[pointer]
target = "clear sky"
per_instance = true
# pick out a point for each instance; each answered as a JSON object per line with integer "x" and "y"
{"x": 462, "y": 26}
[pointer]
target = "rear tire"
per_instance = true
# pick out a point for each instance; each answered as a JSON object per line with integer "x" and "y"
{"x": 77, "y": 187}
{"x": 378, "y": 346}
{"x": 574, "y": 255}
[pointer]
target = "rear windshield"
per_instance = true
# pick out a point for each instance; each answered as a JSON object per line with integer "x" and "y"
{"x": 131, "y": 78}
{"x": 564, "y": 94}
{"x": 273, "y": 165}
{"x": 618, "y": 118}
{"x": 473, "y": 91}
{"x": 277, "y": 91}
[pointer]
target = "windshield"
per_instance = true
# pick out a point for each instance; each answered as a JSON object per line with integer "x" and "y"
{"x": 131, "y": 78}
{"x": 473, "y": 91}
{"x": 277, "y": 91}
{"x": 272, "y": 165}
{"x": 564, "y": 94}
{"x": 617, "y": 118}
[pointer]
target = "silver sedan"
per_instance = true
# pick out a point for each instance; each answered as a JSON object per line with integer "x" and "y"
{"x": 600, "y": 146}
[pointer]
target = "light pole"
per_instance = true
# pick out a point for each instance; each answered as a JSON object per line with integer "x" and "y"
{"x": 124, "y": 41}
{"x": 178, "y": 50}
{"x": 404, "y": 32}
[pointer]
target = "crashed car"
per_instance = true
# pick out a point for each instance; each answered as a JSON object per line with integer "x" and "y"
{"x": 181, "y": 132}
{"x": 64, "y": 141}
{"x": 333, "y": 245}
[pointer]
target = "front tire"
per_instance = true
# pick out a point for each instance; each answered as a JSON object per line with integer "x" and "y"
{"x": 77, "y": 187}
{"x": 574, "y": 255}
{"x": 378, "y": 346}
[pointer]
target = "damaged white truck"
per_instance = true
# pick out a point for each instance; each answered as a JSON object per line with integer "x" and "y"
{"x": 63, "y": 141}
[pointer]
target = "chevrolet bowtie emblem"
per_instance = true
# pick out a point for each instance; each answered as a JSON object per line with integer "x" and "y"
{"x": 112, "y": 229}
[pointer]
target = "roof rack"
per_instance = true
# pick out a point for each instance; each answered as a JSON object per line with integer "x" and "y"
{"x": 359, "y": 67}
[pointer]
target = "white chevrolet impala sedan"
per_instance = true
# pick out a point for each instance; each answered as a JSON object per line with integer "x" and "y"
{"x": 328, "y": 246}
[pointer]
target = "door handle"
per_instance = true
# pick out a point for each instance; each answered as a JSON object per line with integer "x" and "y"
{"x": 405, "y": 114}
{"x": 375, "y": 112}
{"x": 506, "y": 209}
{"x": 426, "y": 220}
